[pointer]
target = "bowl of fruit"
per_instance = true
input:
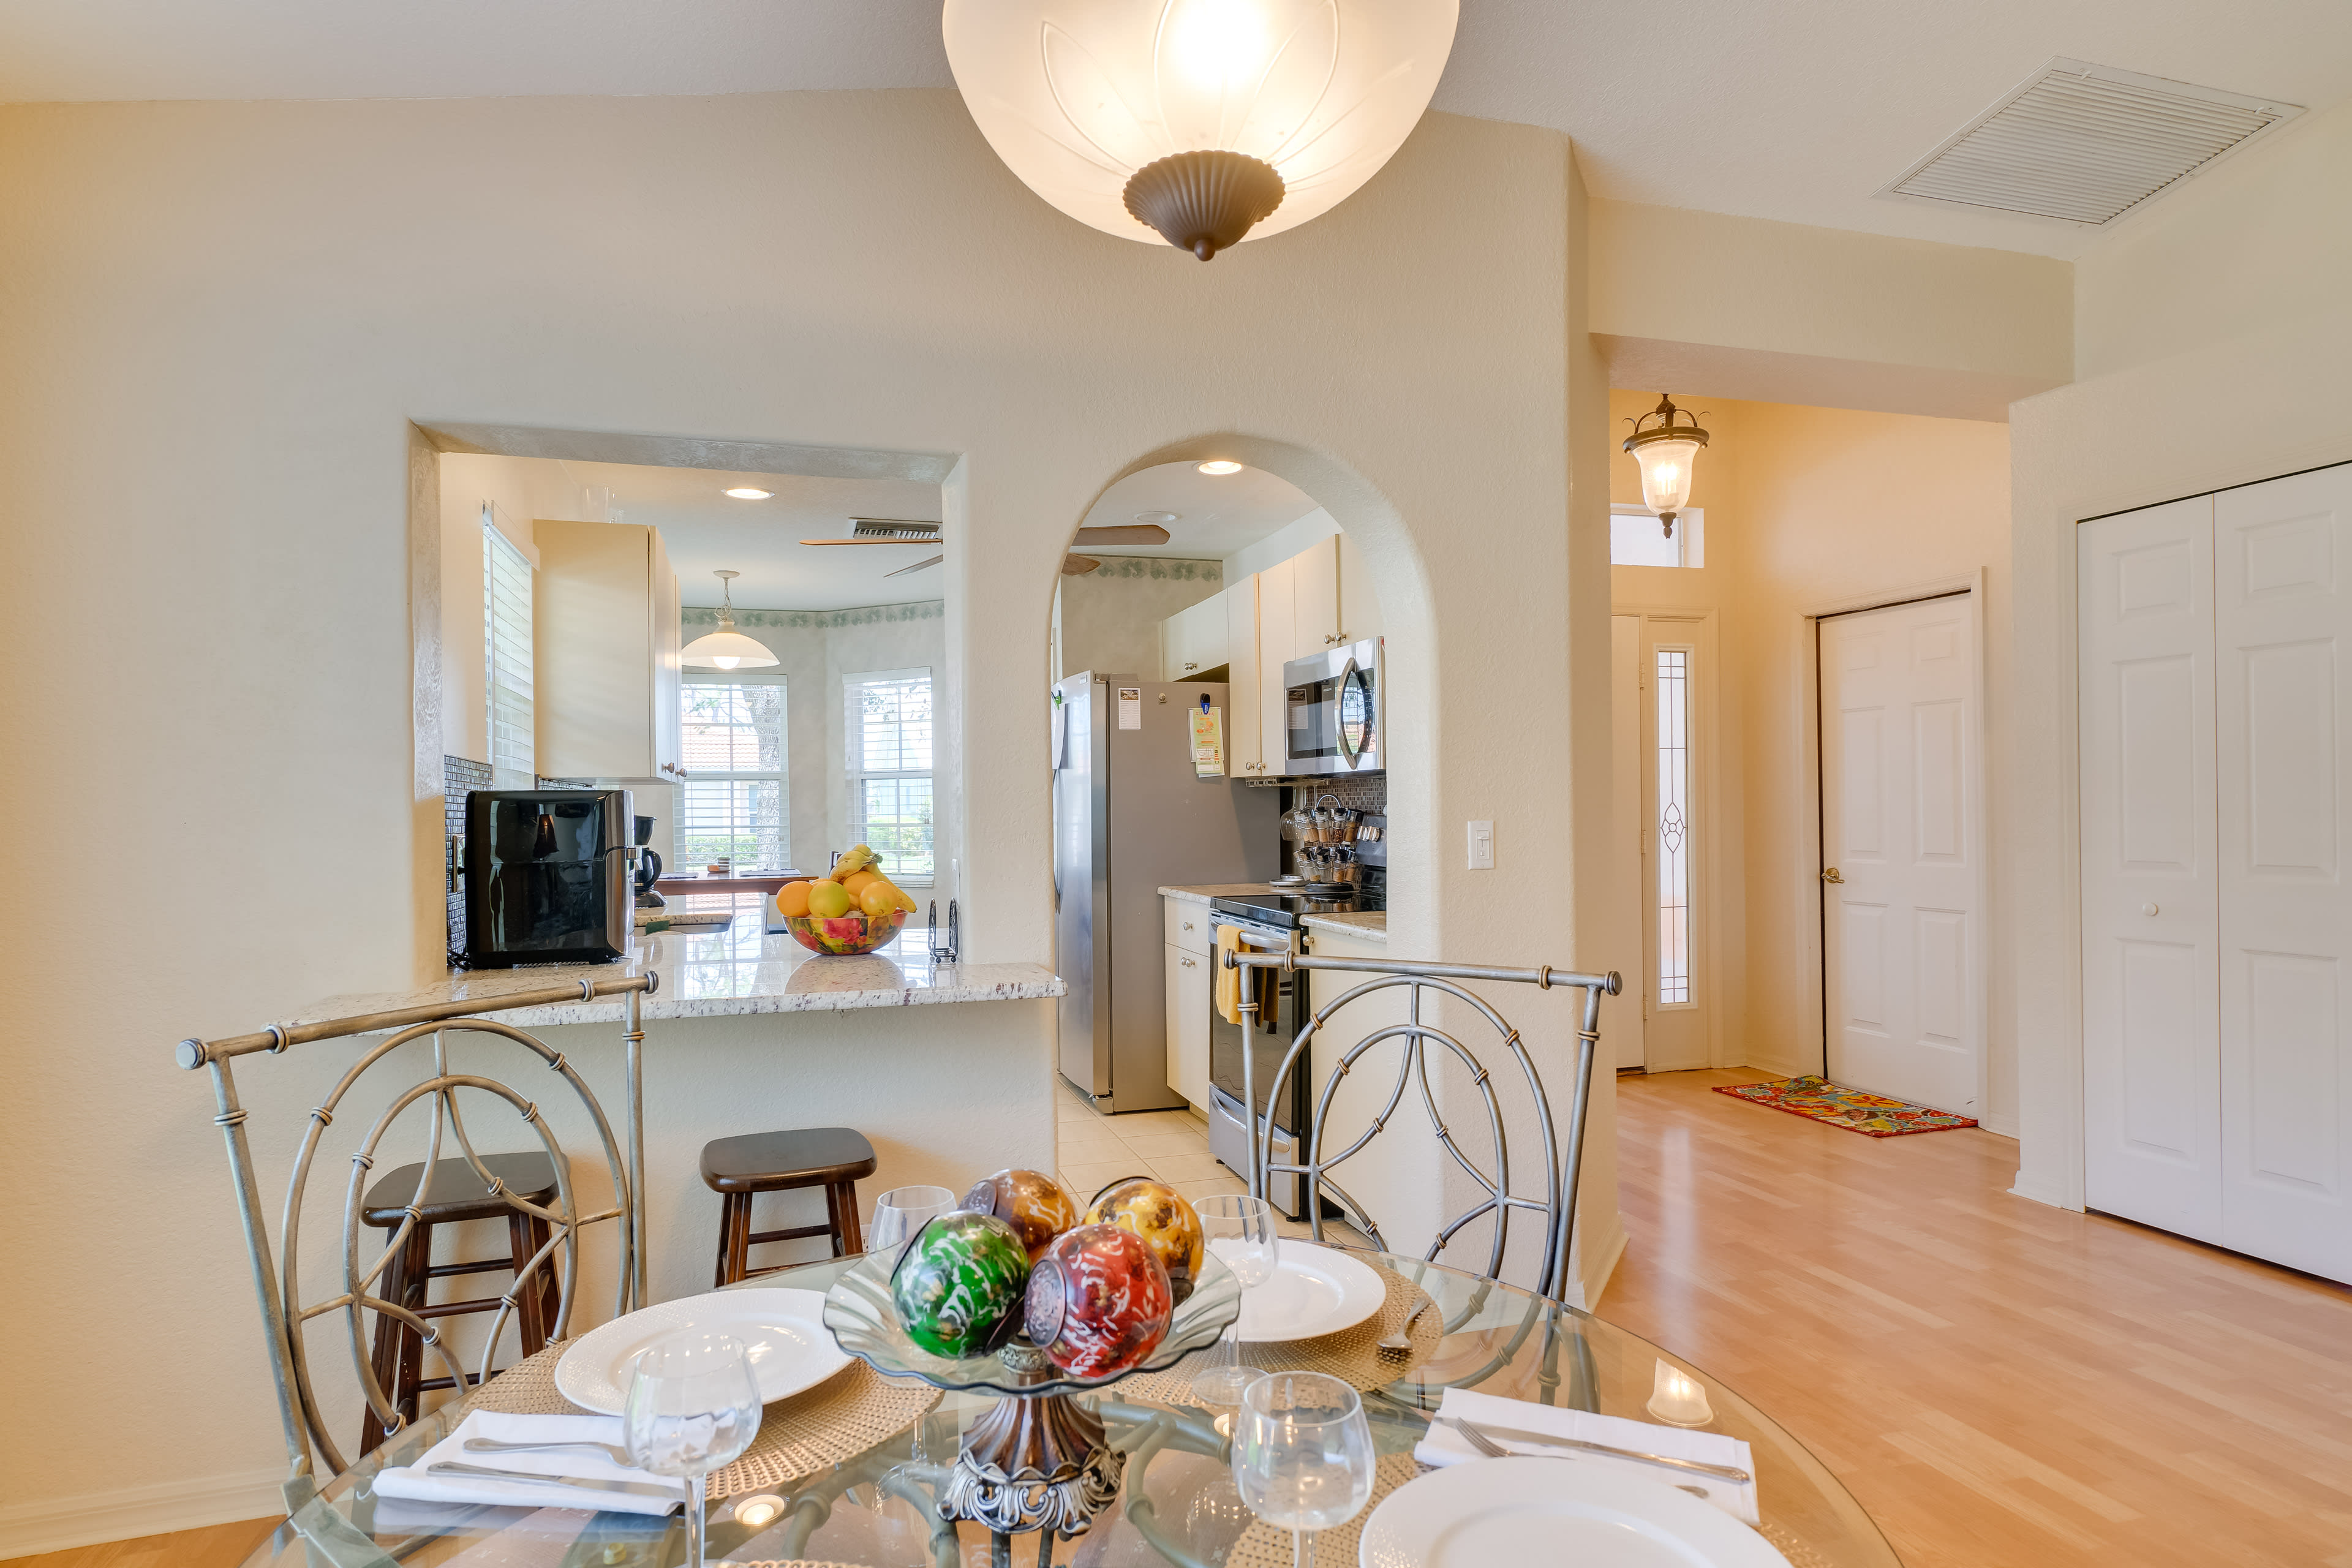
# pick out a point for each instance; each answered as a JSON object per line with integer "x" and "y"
{"x": 853, "y": 908}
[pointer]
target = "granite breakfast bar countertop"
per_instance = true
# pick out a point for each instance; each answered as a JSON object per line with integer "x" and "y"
{"x": 730, "y": 973}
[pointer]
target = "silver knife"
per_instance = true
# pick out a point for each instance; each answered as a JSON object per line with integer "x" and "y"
{"x": 1546, "y": 1440}
{"x": 633, "y": 1489}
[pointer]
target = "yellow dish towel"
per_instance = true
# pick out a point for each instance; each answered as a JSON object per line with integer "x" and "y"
{"x": 1229, "y": 980}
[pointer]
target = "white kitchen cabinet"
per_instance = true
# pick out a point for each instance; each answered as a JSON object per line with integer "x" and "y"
{"x": 2217, "y": 921}
{"x": 1315, "y": 598}
{"x": 1188, "y": 1025}
{"x": 1359, "y": 608}
{"x": 1244, "y": 737}
{"x": 1192, "y": 640}
{"x": 1277, "y": 634}
{"x": 605, "y": 636}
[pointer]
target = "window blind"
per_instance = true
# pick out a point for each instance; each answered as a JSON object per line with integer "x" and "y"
{"x": 735, "y": 800}
{"x": 887, "y": 735}
{"x": 506, "y": 619}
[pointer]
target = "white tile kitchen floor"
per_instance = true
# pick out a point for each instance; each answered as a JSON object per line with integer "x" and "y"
{"x": 1093, "y": 1150}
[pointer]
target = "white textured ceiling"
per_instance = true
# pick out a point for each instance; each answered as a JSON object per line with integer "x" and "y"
{"x": 1795, "y": 110}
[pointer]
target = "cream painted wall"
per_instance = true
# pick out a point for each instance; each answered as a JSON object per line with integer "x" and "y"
{"x": 1806, "y": 508}
{"x": 2262, "y": 243}
{"x": 1743, "y": 307}
{"x": 2214, "y": 333}
{"x": 235, "y": 311}
{"x": 1112, "y": 615}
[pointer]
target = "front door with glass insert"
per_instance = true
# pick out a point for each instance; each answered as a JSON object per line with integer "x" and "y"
{"x": 1671, "y": 670}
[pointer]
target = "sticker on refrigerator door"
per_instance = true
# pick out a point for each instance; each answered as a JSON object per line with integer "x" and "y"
{"x": 1130, "y": 708}
{"x": 1209, "y": 742}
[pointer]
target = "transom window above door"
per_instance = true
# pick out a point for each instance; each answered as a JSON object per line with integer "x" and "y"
{"x": 1636, "y": 538}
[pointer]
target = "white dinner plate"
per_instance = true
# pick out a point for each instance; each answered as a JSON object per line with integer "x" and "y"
{"x": 1531, "y": 1514}
{"x": 782, "y": 1330}
{"x": 1315, "y": 1290}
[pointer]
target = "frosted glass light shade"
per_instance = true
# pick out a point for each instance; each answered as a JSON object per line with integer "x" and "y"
{"x": 1076, "y": 96}
{"x": 1667, "y": 473}
{"x": 725, "y": 649}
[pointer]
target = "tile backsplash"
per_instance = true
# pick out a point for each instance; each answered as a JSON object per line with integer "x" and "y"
{"x": 458, "y": 774}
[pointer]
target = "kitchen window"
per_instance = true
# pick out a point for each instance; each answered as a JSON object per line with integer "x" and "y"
{"x": 887, "y": 736}
{"x": 736, "y": 800}
{"x": 507, "y": 683}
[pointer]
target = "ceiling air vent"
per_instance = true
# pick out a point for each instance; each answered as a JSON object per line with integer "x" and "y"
{"x": 2085, "y": 145}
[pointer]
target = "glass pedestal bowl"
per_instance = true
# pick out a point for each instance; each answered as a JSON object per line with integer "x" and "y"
{"x": 1038, "y": 1461}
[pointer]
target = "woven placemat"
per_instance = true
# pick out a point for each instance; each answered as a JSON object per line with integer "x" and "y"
{"x": 1264, "y": 1546}
{"x": 839, "y": 1419}
{"x": 1352, "y": 1355}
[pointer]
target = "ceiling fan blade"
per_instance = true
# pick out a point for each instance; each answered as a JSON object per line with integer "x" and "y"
{"x": 923, "y": 539}
{"x": 918, "y": 566}
{"x": 1124, "y": 533}
{"x": 1078, "y": 566}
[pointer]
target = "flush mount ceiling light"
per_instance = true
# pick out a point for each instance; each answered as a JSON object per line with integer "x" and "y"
{"x": 1202, "y": 123}
{"x": 1221, "y": 465}
{"x": 1666, "y": 452}
{"x": 726, "y": 648}
{"x": 750, "y": 492}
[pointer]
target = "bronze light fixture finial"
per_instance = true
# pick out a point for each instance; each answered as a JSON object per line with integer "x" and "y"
{"x": 1203, "y": 202}
{"x": 1666, "y": 452}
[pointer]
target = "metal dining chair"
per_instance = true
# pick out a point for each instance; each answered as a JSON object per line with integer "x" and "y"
{"x": 1313, "y": 1166}
{"x": 553, "y": 1223}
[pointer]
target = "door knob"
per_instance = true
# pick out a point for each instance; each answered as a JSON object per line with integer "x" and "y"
{"x": 1831, "y": 876}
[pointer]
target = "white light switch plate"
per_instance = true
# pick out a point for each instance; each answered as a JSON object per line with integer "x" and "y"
{"x": 1482, "y": 846}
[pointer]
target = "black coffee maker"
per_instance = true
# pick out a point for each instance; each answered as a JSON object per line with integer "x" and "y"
{"x": 649, "y": 867}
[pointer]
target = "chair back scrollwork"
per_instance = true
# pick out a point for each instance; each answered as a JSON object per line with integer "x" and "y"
{"x": 277, "y": 1268}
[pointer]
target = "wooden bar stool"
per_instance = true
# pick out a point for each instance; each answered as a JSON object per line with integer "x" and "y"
{"x": 455, "y": 1196}
{"x": 833, "y": 1158}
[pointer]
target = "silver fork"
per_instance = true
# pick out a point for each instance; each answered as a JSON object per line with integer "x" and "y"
{"x": 612, "y": 1451}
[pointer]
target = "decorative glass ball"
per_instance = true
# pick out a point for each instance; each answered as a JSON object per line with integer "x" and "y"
{"x": 1098, "y": 1301}
{"x": 1158, "y": 1214}
{"x": 1031, "y": 1202}
{"x": 958, "y": 1286}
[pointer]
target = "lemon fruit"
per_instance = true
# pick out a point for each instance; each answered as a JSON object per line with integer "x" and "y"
{"x": 827, "y": 900}
{"x": 793, "y": 899}
{"x": 879, "y": 899}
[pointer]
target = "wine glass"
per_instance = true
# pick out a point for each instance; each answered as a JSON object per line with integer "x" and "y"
{"x": 1303, "y": 1455}
{"x": 900, "y": 1214}
{"x": 693, "y": 1407}
{"x": 1240, "y": 1230}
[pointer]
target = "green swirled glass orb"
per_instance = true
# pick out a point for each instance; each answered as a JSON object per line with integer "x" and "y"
{"x": 959, "y": 1289}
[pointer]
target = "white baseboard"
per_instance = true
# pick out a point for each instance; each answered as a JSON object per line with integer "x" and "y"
{"x": 2004, "y": 1125}
{"x": 29, "y": 1529}
{"x": 2039, "y": 1191}
{"x": 1591, "y": 1294}
{"x": 1777, "y": 1070}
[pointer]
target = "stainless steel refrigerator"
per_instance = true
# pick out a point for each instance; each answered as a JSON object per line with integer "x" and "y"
{"x": 1132, "y": 816}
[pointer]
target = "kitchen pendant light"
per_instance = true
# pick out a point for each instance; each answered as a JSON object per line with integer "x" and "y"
{"x": 1666, "y": 451}
{"x": 1202, "y": 123}
{"x": 726, "y": 648}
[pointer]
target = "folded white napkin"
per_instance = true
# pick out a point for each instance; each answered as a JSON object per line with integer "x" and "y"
{"x": 413, "y": 1482}
{"x": 1444, "y": 1446}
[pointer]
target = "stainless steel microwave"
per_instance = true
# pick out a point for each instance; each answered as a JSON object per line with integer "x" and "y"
{"x": 1332, "y": 723}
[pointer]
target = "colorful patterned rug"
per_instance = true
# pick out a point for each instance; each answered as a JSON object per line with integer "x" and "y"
{"x": 1872, "y": 1115}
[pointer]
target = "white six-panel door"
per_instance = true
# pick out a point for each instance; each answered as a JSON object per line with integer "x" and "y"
{"x": 1900, "y": 777}
{"x": 2151, "y": 1052}
{"x": 2282, "y": 604}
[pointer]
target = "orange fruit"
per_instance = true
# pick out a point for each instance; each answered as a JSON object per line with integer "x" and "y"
{"x": 793, "y": 899}
{"x": 858, "y": 881}
{"x": 827, "y": 900}
{"x": 879, "y": 899}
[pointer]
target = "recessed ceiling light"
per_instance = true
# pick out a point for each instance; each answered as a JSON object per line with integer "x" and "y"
{"x": 1155, "y": 517}
{"x": 1221, "y": 465}
{"x": 749, "y": 492}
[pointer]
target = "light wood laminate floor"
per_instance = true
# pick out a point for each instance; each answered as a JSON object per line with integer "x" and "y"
{"x": 2002, "y": 1384}
{"x": 221, "y": 1546}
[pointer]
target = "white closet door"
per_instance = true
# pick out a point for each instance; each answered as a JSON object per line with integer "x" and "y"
{"x": 2151, "y": 1071}
{"x": 2282, "y": 558}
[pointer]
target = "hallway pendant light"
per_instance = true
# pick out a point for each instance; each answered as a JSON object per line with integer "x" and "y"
{"x": 1202, "y": 123}
{"x": 1666, "y": 452}
{"x": 726, "y": 648}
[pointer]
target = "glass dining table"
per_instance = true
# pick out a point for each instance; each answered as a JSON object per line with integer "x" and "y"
{"x": 1179, "y": 1508}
